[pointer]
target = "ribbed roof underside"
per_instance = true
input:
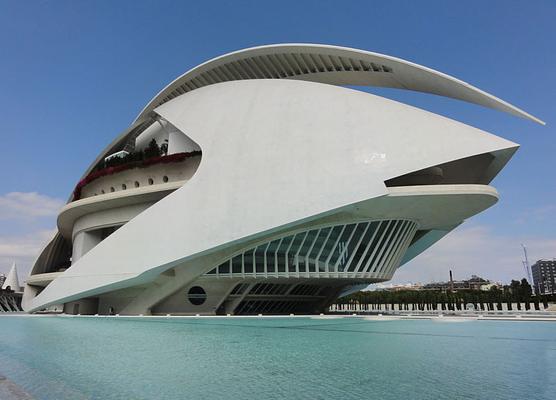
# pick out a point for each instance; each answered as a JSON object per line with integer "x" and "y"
{"x": 331, "y": 65}
{"x": 274, "y": 66}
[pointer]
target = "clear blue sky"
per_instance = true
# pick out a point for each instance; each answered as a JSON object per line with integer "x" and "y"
{"x": 75, "y": 73}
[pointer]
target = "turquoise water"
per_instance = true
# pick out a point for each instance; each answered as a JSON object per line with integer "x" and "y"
{"x": 278, "y": 358}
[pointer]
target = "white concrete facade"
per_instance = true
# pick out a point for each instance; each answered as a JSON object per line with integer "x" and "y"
{"x": 304, "y": 190}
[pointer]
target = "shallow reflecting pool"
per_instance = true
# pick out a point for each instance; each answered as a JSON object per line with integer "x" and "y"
{"x": 278, "y": 358}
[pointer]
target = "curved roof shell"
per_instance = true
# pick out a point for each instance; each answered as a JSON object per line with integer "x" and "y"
{"x": 333, "y": 65}
{"x": 328, "y": 64}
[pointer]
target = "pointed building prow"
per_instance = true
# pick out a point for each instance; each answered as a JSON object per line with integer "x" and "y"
{"x": 12, "y": 280}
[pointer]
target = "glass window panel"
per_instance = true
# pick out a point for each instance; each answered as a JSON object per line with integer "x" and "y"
{"x": 317, "y": 247}
{"x": 350, "y": 246}
{"x": 256, "y": 288}
{"x": 329, "y": 246}
{"x": 311, "y": 236}
{"x": 305, "y": 248}
{"x": 238, "y": 289}
{"x": 342, "y": 244}
{"x": 284, "y": 289}
{"x": 380, "y": 231}
{"x": 399, "y": 236}
{"x": 248, "y": 262}
{"x": 259, "y": 258}
{"x": 364, "y": 243}
{"x": 224, "y": 268}
{"x": 330, "y": 242}
{"x": 270, "y": 253}
{"x": 269, "y": 287}
{"x": 390, "y": 235}
{"x": 236, "y": 264}
{"x": 293, "y": 250}
{"x": 281, "y": 253}
{"x": 301, "y": 264}
{"x": 356, "y": 245}
{"x": 382, "y": 241}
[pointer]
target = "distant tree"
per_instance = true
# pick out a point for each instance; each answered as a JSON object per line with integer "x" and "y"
{"x": 526, "y": 289}
{"x": 152, "y": 150}
{"x": 515, "y": 287}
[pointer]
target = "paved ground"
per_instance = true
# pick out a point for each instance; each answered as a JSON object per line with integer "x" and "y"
{"x": 484, "y": 315}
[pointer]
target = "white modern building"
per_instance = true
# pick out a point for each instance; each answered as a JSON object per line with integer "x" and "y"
{"x": 12, "y": 280}
{"x": 263, "y": 181}
{"x": 10, "y": 291}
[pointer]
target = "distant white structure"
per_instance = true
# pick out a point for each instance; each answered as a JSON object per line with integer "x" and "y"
{"x": 12, "y": 280}
{"x": 281, "y": 188}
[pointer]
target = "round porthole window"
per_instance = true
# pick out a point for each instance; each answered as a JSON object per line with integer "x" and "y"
{"x": 196, "y": 295}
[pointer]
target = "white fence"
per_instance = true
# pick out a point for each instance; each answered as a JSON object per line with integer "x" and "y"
{"x": 435, "y": 308}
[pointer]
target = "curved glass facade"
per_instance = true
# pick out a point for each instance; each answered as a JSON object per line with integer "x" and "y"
{"x": 367, "y": 249}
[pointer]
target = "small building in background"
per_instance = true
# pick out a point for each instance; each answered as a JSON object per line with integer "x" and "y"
{"x": 11, "y": 281}
{"x": 544, "y": 274}
{"x": 474, "y": 283}
{"x": 10, "y": 291}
